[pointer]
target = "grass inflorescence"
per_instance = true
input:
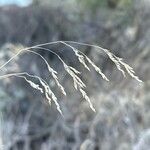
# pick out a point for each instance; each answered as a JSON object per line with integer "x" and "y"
{"x": 78, "y": 84}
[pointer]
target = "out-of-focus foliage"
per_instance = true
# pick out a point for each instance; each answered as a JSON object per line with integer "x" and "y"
{"x": 95, "y": 5}
{"x": 122, "y": 120}
{"x": 105, "y": 10}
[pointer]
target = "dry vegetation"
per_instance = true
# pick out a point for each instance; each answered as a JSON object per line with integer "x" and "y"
{"x": 47, "y": 90}
{"x": 79, "y": 85}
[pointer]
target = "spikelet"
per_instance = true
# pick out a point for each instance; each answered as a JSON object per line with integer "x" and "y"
{"x": 117, "y": 63}
{"x": 32, "y": 84}
{"x": 79, "y": 56}
{"x": 78, "y": 83}
{"x": 97, "y": 69}
{"x": 87, "y": 99}
{"x": 74, "y": 70}
{"x": 35, "y": 86}
{"x": 48, "y": 92}
{"x": 51, "y": 71}
{"x": 54, "y": 98}
{"x": 73, "y": 73}
{"x": 129, "y": 69}
{"x": 46, "y": 87}
{"x": 54, "y": 75}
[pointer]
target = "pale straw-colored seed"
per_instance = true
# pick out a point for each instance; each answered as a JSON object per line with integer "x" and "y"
{"x": 74, "y": 73}
{"x": 49, "y": 93}
{"x": 74, "y": 70}
{"x": 131, "y": 72}
{"x": 87, "y": 99}
{"x": 116, "y": 62}
{"x": 97, "y": 69}
{"x": 57, "y": 83}
{"x": 79, "y": 56}
{"x": 128, "y": 68}
{"x": 32, "y": 84}
{"x": 81, "y": 59}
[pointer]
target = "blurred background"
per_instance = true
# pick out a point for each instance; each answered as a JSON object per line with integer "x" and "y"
{"x": 122, "y": 118}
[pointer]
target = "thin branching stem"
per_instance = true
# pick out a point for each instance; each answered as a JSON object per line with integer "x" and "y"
{"x": 79, "y": 85}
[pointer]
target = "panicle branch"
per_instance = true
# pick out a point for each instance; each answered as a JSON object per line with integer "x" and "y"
{"x": 79, "y": 85}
